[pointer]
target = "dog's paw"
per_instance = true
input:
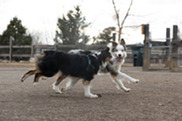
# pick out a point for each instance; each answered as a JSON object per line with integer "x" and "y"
{"x": 35, "y": 84}
{"x": 56, "y": 89}
{"x": 137, "y": 80}
{"x": 127, "y": 90}
{"x": 93, "y": 96}
{"x": 63, "y": 89}
{"x": 99, "y": 95}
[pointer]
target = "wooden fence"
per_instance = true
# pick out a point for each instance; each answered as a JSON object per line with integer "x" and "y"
{"x": 37, "y": 49}
{"x": 170, "y": 46}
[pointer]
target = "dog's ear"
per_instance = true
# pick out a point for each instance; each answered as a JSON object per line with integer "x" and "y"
{"x": 114, "y": 44}
{"x": 123, "y": 42}
{"x": 107, "y": 49}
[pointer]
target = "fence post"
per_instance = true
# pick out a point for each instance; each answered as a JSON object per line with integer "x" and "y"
{"x": 168, "y": 43}
{"x": 174, "y": 49}
{"x": 56, "y": 46}
{"x": 10, "y": 48}
{"x": 146, "y": 54}
{"x": 83, "y": 42}
{"x": 114, "y": 37}
{"x": 32, "y": 49}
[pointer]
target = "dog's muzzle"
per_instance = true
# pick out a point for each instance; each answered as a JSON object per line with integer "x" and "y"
{"x": 119, "y": 58}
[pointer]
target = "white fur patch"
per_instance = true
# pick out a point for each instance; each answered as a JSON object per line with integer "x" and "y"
{"x": 76, "y": 51}
{"x": 88, "y": 93}
{"x": 56, "y": 88}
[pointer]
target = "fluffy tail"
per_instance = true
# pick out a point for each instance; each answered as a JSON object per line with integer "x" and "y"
{"x": 38, "y": 59}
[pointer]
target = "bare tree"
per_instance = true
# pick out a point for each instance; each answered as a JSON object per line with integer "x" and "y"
{"x": 120, "y": 25}
{"x": 36, "y": 37}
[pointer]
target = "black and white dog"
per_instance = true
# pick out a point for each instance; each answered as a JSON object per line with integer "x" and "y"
{"x": 118, "y": 52}
{"x": 77, "y": 66}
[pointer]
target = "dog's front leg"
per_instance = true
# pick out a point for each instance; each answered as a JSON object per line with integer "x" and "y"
{"x": 124, "y": 76}
{"x": 87, "y": 92}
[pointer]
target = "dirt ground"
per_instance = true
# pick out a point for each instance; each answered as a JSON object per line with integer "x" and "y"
{"x": 157, "y": 97}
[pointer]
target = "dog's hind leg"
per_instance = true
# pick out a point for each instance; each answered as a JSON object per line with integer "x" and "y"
{"x": 69, "y": 85}
{"x": 87, "y": 92}
{"x": 26, "y": 75}
{"x": 36, "y": 78}
{"x": 56, "y": 84}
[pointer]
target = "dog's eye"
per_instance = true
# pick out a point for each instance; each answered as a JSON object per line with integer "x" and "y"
{"x": 116, "y": 50}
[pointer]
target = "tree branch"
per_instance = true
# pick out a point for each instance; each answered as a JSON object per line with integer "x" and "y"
{"x": 127, "y": 13}
{"x": 120, "y": 26}
{"x": 117, "y": 14}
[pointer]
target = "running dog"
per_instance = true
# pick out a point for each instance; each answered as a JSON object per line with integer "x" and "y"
{"x": 118, "y": 52}
{"x": 77, "y": 66}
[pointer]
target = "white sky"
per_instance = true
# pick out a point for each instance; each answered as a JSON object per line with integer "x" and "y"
{"x": 40, "y": 16}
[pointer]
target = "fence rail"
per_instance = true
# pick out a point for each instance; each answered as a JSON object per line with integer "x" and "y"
{"x": 34, "y": 49}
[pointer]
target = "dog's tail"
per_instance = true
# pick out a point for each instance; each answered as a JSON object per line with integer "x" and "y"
{"x": 37, "y": 61}
{"x": 38, "y": 58}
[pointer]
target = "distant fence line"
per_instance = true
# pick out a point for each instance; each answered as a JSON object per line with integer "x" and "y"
{"x": 35, "y": 49}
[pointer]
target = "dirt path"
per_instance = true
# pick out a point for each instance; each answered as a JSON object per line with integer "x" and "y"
{"x": 157, "y": 97}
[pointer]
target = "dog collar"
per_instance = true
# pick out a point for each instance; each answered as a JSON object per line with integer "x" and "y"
{"x": 89, "y": 64}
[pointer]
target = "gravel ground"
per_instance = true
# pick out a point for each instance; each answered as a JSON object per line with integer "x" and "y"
{"x": 157, "y": 97}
